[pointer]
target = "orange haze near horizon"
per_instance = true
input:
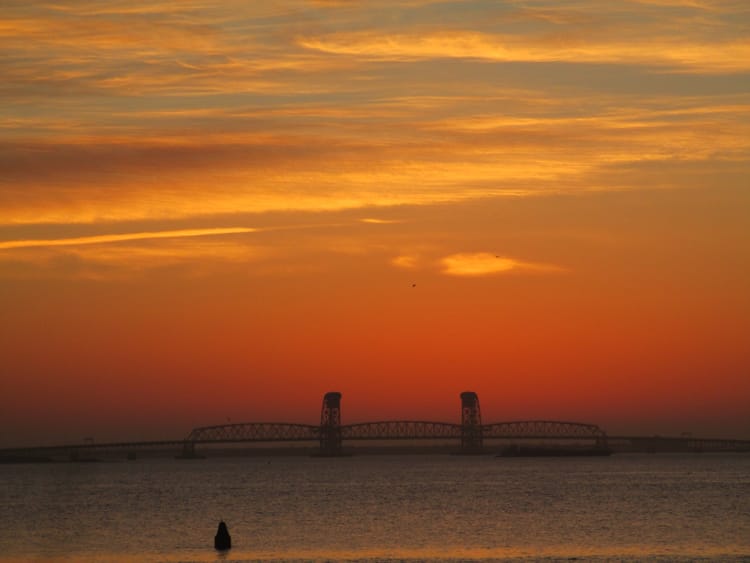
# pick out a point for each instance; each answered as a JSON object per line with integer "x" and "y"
{"x": 221, "y": 211}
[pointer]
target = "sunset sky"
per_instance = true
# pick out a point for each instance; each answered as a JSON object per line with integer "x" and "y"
{"x": 215, "y": 210}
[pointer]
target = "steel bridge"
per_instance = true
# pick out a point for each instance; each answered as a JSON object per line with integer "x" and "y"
{"x": 394, "y": 430}
{"x": 331, "y": 434}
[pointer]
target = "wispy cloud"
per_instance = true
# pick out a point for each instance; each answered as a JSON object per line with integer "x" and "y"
{"x": 720, "y": 56}
{"x": 103, "y": 239}
{"x": 145, "y": 111}
{"x": 452, "y": 150}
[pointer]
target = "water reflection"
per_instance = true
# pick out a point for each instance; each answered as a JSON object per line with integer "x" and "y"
{"x": 380, "y": 508}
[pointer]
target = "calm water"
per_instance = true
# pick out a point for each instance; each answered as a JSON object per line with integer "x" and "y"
{"x": 375, "y": 508}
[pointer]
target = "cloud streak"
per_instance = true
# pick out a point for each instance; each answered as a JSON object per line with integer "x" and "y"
{"x": 722, "y": 56}
{"x": 124, "y": 237}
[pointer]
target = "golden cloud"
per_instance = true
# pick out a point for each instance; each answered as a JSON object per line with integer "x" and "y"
{"x": 486, "y": 264}
{"x": 406, "y": 261}
{"x": 686, "y": 55}
{"x": 111, "y": 111}
{"x": 374, "y": 221}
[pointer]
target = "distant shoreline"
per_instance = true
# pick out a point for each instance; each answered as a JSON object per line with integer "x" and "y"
{"x": 212, "y": 452}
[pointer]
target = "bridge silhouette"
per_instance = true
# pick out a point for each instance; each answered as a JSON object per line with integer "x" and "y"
{"x": 331, "y": 434}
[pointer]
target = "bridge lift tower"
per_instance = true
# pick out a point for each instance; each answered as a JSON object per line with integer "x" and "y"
{"x": 330, "y": 424}
{"x": 471, "y": 424}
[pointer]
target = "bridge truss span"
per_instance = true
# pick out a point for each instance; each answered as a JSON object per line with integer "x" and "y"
{"x": 544, "y": 429}
{"x": 401, "y": 430}
{"x": 394, "y": 430}
{"x": 255, "y": 432}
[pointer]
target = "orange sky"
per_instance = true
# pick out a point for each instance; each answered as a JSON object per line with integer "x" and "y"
{"x": 214, "y": 210}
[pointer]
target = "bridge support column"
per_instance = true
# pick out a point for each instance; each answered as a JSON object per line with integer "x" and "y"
{"x": 81, "y": 454}
{"x": 601, "y": 442}
{"x": 330, "y": 425}
{"x": 471, "y": 424}
{"x": 188, "y": 451}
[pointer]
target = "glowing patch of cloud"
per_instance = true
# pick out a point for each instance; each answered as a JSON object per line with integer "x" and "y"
{"x": 374, "y": 221}
{"x": 485, "y": 264}
{"x": 101, "y": 239}
{"x": 406, "y": 261}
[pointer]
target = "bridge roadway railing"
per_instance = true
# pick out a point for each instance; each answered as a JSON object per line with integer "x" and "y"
{"x": 407, "y": 430}
{"x": 544, "y": 429}
{"x": 718, "y": 444}
{"x": 655, "y": 444}
{"x": 255, "y": 432}
{"x": 393, "y": 430}
{"x": 401, "y": 430}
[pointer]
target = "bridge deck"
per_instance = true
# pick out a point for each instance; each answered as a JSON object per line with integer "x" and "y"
{"x": 407, "y": 430}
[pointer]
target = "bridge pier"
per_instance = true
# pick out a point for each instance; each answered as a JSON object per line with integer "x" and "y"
{"x": 471, "y": 424}
{"x": 330, "y": 425}
{"x": 188, "y": 451}
{"x": 81, "y": 454}
{"x": 601, "y": 443}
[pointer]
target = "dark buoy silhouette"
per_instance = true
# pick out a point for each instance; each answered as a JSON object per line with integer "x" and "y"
{"x": 222, "y": 539}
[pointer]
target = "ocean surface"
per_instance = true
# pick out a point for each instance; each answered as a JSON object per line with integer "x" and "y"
{"x": 380, "y": 508}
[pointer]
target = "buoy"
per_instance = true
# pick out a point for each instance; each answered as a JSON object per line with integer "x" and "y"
{"x": 222, "y": 539}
